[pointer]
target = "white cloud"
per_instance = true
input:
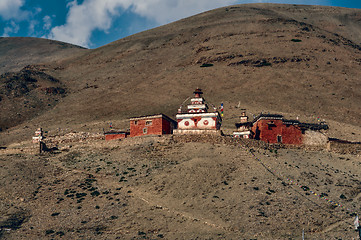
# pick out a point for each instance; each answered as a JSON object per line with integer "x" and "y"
{"x": 83, "y": 19}
{"x": 11, "y": 28}
{"x": 47, "y": 22}
{"x": 92, "y": 15}
{"x": 11, "y": 9}
{"x": 165, "y": 11}
{"x": 31, "y": 27}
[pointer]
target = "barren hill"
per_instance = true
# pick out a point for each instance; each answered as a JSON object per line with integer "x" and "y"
{"x": 18, "y": 52}
{"x": 302, "y": 60}
{"x": 298, "y": 60}
{"x": 25, "y": 94}
{"x": 176, "y": 188}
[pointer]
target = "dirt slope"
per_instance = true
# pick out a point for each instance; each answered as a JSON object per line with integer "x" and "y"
{"x": 28, "y": 93}
{"x": 171, "y": 188}
{"x": 18, "y": 52}
{"x": 299, "y": 60}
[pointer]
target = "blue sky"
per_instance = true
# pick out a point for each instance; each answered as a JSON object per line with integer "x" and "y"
{"x": 93, "y": 23}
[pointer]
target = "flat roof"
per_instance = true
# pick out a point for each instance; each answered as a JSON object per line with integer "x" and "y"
{"x": 161, "y": 115}
{"x": 116, "y": 132}
{"x": 268, "y": 116}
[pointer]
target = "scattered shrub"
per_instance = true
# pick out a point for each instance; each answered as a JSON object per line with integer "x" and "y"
{"x": 207, "y": 65}
{"x": 95, "y": 193}
{"x": 306, "y": 29}
{"x": 79, "y": 195}
{"x": 49, "y": 231}
{"x": 15, "y": 220}
{"x": 343, "y": 196}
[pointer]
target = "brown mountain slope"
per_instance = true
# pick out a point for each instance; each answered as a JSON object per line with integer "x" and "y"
{"x": 18, "y": 52}
{"x": 173, "y": 187}
{"x": 29, "y": 92}
{"x": 169, "y": 188}
{"x": 299, "y": 60}
{"x": 26, "y": 94}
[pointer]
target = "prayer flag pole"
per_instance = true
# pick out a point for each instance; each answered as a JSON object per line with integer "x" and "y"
{"x": 357, "y": 226}
{"x": 221, "y": 109}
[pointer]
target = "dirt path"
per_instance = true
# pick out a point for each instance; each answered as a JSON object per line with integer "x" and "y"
{"x": 347, "y": 221}
{"x": 152, "y": 201}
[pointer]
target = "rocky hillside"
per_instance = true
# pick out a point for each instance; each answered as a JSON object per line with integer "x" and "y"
{"x": 298, "y": 60}
{"x": 26, "y": 94}
{"x": 176, "y": 188}
{"x": 301, "y": 61}
{"x": 24, "y": 91}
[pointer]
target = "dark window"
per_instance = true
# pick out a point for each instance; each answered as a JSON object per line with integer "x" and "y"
{"x": 271, "y": 125}
{"x": 145, "y": 130}
{"x": 279, "y": 139}
{"x": 135, "y": 122}
{"x": 148, "y": 123}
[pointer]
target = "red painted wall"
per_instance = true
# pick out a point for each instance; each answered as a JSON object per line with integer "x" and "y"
{"x": 159, "y": 126}
{"x": 291, "y": 134}
{"x": 114, "y": 136}
{"x": 167, "y": 127}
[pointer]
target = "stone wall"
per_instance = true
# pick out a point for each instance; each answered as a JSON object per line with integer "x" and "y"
{"x": 72, "y": 137}
{"x": 217, "y": 139}
{"x": 344, "y": 147}
{"x": 314, "y": 138}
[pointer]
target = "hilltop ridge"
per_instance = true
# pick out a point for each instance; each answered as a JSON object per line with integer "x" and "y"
{"x": 18, "y": 52}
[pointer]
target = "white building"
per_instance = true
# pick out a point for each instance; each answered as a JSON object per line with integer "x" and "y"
{"x": 197, "y": 119}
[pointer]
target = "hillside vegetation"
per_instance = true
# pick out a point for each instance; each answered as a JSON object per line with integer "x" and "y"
{"x": 175, "y": 187}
